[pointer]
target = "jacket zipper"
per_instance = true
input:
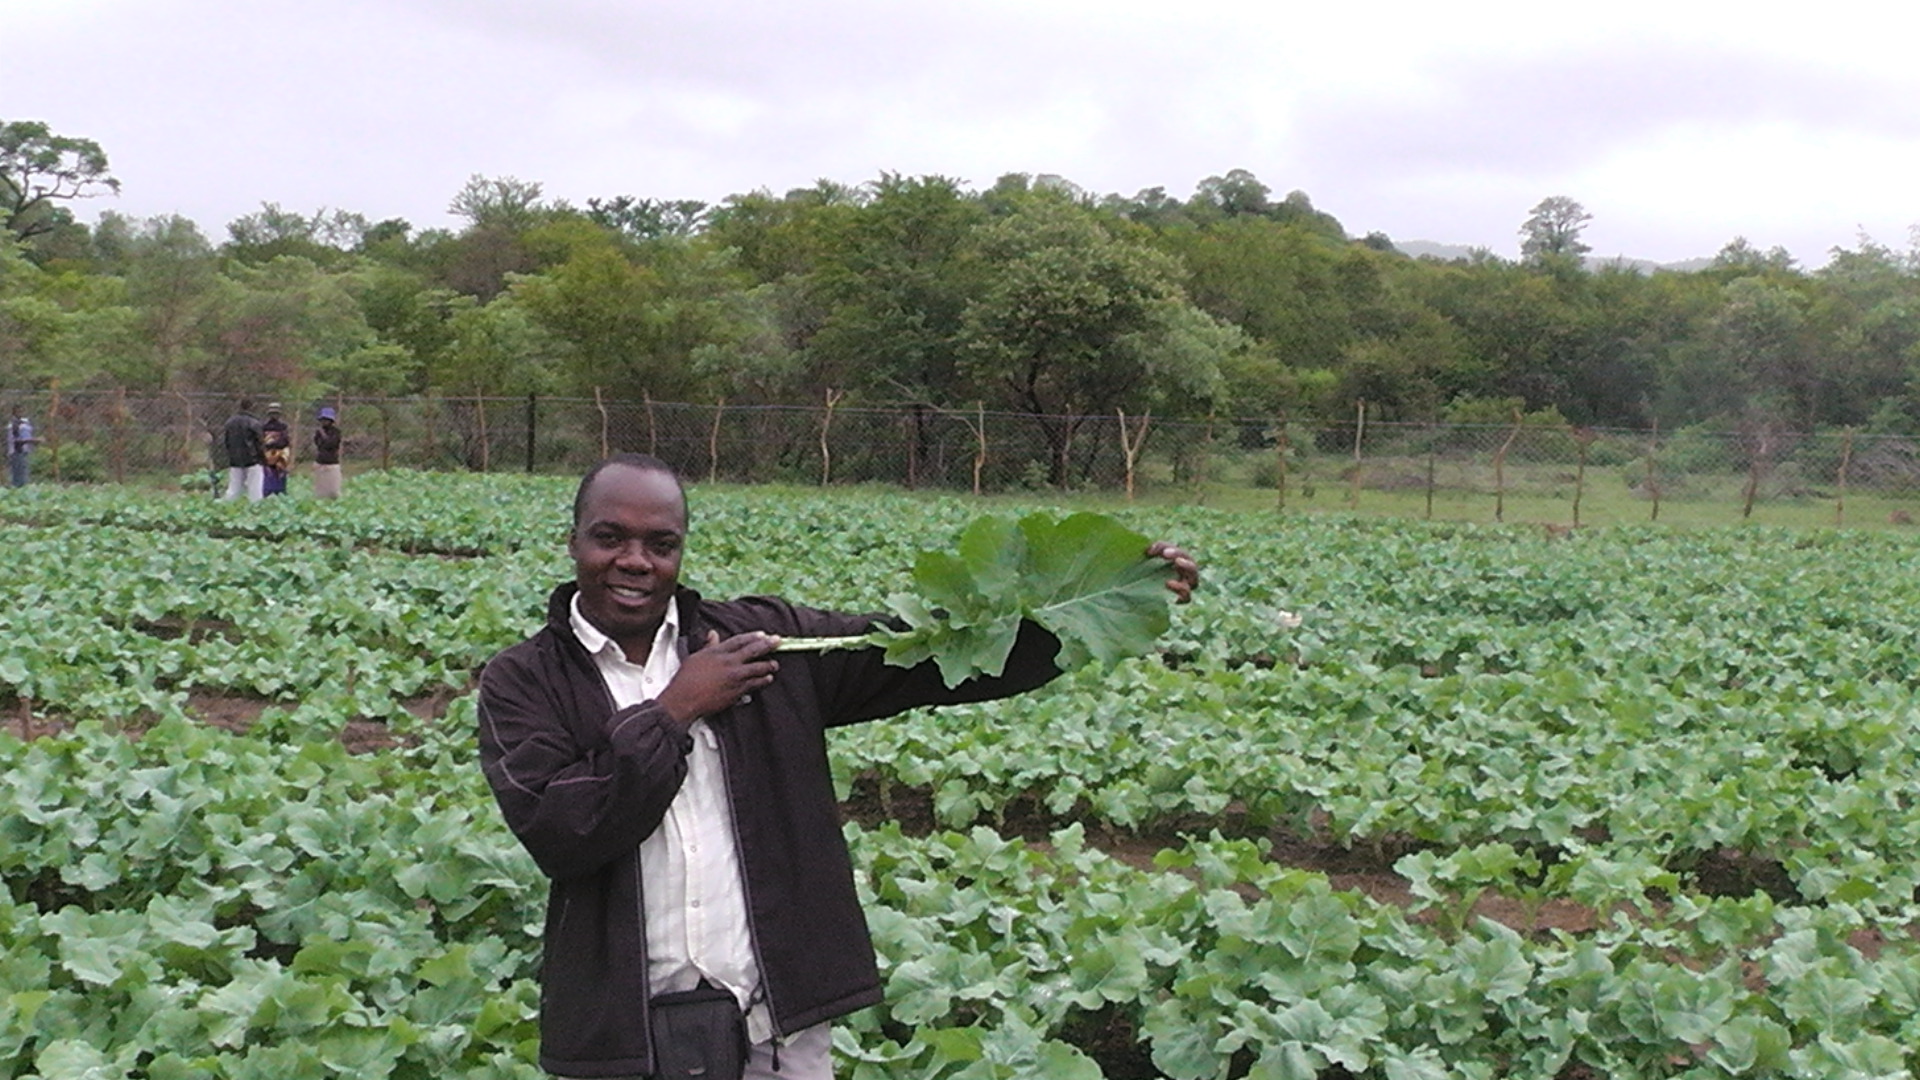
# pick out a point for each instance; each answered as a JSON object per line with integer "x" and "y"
{"x": 746, "y": 893}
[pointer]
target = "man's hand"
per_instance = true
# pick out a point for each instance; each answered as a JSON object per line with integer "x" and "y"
{"x": 1186, "y": 572}
{"x": 718, "y": 676}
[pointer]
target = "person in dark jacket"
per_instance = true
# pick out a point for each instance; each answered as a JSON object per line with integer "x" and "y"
{"x": 326, "y": 456}
{"x": 669, "y": 775}
{"x": 241, "y": 438}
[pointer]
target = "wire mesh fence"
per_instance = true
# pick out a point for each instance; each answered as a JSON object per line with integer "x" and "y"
{"x": 1496, "y": 472}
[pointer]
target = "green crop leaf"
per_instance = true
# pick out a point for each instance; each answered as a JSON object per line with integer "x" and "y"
{"x": 1085, "y": 577}
{"x": 71, "y": 1059}
{"x": 1746, "y": 1043}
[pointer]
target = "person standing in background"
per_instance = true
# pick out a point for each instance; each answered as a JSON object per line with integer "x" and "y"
{"x": 20, "y": 444}
{"x": 276, "y": 452}
{"x": 241, "y": 438}
{"x": 326, "y": 456}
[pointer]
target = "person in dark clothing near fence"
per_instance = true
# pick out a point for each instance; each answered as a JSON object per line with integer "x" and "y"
{"x": 276, "y": 452}
{"x": 670, "y": 777}
{"x": 326, "y": 456}
{"x": 241, "y": 438}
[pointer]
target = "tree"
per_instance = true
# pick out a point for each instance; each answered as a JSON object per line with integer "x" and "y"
{"x": 38, "y": 167}
{"x": 892, "y": 288}
{"x": 1073, "y": 323}
{"x": 171, "y": 274}
{"x": 69, "y": 326}
{"x": 1552, "y": 230}
{"x": 270, "y": 232}
{"x": 647, "y": 219}
{"x": 505, "y": 201}
{"x": 1233, "y": 195}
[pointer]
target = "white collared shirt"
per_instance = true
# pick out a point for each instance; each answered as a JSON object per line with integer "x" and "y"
{"x": 690, "y": 866}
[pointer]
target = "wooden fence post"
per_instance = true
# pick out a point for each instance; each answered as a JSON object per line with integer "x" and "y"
{"x": 1500, "y": 471}
{"x": 118, "y": 423}
{"x": 980, "y": 445}
{"x": 601, "y": 404}
{"x": 533, "y": 426}
{"x": 1846, "y": 459}
{"x": 713, "y": 442}
{"x": 1583, "y": 438}
{"x": 187, "y": 440}
{"x": 826, "y": 424}
{"x": 1433, "y": 452}
{"x": 1205, "y": 463}
{"x": 1130, "y": 447}
{"x": 1653, "y": 478}
{"x": 1755, "y": 460}
{"x": 1359, "y": 434}
{"x": 486, "y": 444}
{"x": 1281, "y": 446}
{"x": 53, "y": 428}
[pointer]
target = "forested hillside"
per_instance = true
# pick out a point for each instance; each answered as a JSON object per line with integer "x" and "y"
{"x": 1030, "y": 295}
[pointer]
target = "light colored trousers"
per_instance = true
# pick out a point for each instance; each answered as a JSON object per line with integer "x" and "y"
{"x": 252, "y": 480}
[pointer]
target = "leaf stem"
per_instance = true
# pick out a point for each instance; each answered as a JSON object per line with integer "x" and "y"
{"x": 822, "y": 644}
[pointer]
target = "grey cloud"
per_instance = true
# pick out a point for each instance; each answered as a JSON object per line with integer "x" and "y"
{"x": 1555, "y": 112}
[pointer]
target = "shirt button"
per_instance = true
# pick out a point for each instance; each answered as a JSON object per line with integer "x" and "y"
{"x": 695, "y": 903}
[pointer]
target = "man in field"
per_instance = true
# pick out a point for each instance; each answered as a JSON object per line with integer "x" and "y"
{"x": 241, "y": 438}
{"x": 669, "y": 774}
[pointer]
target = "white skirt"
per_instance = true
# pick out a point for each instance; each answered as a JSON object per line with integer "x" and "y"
{"x": 326, "y": 481}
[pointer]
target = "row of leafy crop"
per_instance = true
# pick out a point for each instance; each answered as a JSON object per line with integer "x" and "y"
{"x": 1729, "y": 607}
{"x": 1571, "y": 766}
{"x": 196, "y": 904}
{"x": 111, "y": 623}
{"x": 1601, "y": 715}
{"x": 495, "y": 514}
{"x": 428, "y": 513}
{"x": 158, "y": 596}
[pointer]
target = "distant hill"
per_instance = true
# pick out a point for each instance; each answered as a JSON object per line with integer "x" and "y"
{"x": 1418, "y": 248}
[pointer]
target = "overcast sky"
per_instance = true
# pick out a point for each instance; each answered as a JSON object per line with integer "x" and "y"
{"x": 1678, "y": 125}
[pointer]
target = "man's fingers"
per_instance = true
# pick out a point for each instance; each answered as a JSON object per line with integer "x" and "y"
{"x": 1186, "y": 569}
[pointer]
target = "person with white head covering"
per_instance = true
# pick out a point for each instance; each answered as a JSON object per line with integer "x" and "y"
{"x": 20, "y": 444}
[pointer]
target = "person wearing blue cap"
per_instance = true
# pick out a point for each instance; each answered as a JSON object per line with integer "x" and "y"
{"x": 326, "y": 456}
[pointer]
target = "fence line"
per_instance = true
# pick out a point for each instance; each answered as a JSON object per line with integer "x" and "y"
{"x": 1417, "y": 469}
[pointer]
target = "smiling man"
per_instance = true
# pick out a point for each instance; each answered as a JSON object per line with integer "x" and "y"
{"x": 670, "y": 776}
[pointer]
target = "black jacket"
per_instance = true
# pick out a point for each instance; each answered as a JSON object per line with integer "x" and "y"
{"x": 241, "y": 438}
{"x": 581, "y": 785}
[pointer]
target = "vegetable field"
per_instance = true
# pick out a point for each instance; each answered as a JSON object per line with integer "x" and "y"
{"x": 1393, "y": 800}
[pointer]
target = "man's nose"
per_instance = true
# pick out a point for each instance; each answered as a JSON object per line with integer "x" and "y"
{"x": 633, "y": 557}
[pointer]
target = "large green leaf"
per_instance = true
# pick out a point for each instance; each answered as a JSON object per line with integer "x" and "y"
{"x": 1085, "y": 577}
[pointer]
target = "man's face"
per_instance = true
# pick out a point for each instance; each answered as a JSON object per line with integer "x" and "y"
{"x": 626, "y": 553}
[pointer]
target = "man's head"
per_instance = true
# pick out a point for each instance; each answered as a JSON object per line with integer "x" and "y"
{"x": 326, "y": 415}
{"x": 629, "y": 529}
{"x": 246, "y": 404}
{"x": 273, "y": 409}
